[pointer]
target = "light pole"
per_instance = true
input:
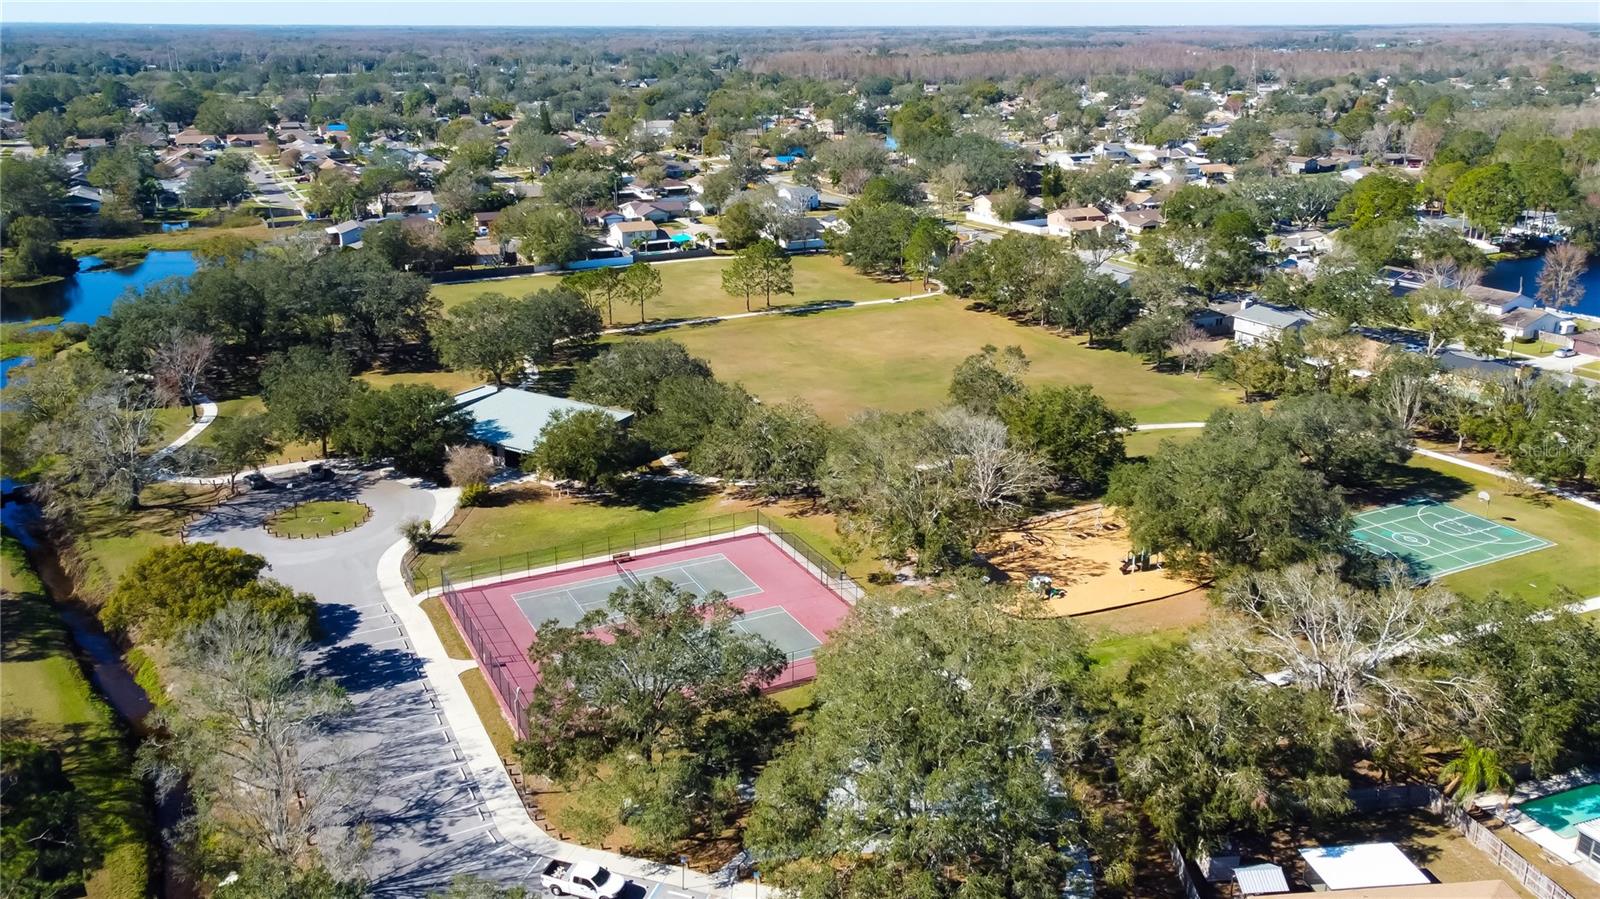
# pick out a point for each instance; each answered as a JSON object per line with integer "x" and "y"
{"x": 683, "y": 881}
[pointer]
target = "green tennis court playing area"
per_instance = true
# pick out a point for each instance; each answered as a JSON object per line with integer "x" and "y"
{"x": 1434, "y": 539}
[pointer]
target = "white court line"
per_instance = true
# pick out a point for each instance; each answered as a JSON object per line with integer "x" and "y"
{"x": 773, "y": 612}
{"x": 668, "y": 566}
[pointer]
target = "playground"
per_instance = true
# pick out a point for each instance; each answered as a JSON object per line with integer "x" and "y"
{"x": 1088, "y": 560}
{"x": 1434, "y": 539}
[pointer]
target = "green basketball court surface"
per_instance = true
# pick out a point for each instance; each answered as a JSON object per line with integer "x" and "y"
{"x": 1434, "y": 539}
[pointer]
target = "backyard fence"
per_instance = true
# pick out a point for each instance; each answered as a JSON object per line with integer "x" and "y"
{"x": 585, "y": 552}
{"x": 1185, "y": 879}
{"x": 1499, "y": 851}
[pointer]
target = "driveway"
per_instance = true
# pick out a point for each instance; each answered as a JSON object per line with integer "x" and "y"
{"x": 427, "y": 816}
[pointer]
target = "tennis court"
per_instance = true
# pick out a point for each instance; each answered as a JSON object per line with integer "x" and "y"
{"x": 1434, "y": 539}
{"x": 779, "y": 597}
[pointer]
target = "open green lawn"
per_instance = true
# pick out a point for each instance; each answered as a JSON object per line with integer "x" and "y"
{"x": 44, "y": 695}
{"x": 1145, "y": 443}
{"x": 106, "y": 540}
{"x": 1573, "y": 563}
{"x": 900, "y": 357}
{"x": 318, "y": 518}
{"x": 693, "y": 288}
{"x": 130, "y": 249}
{"x": 525, "y": 519}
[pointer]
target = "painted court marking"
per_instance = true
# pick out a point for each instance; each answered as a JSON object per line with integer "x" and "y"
{"x": 781, "y": 629}
{"x": 568, "y": 603}
{"x": 1436, "y": 539}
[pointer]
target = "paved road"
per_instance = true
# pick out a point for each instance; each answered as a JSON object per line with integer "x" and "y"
{"x": 428, "y": 821}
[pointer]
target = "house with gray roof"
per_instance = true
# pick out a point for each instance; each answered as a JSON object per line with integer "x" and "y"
{"x": 509, "y": 419}
{"x": 1255, "y": 321}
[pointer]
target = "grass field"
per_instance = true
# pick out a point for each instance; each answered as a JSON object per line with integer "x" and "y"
{"x": 1573, "y": 563}
{"x": 318, "y": 518}
{"x": 524, "y": 519}
{"x": 693, "y": 288}
{"x": 42, "y": 685}
{"x": 900, "y": 357}
{"x": 106, "y": 540}
{"x": 131, "y": 249}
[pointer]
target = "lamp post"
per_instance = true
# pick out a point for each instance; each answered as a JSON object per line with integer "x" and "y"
{"x": 683, "y": 881}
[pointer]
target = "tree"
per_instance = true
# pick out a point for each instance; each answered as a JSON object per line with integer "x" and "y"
{"x": 740, "y": 278}
{"x": 99, "y": 448}
{"x": 43, "y": 846}
{"x": 175, "y": 589}
{"x": 548, "y": 233}
{"x": 928, "y": 487}
{"x": 1237, "y": 496}
{"x": 1561, "y": 279}
{"x": 1073, "y": 430}
{"x": 249, "y": 736}
{"x": 1152, "y": 335}
{"x": 875, "y": 242}
{"x": 1487, "y": 196}
{"x": 987, "y": 378}
{"x": 1091, "y": 303}
{"x": 599, "y": 286}
{"x": 308, "y": 391}
{"x": 640, "y": 283}
{"x": 1214, "y": 752}
{"x": 33, "y": 252}
{"x": 1351, "y": 442}
{"x": 1475, "y": 769}
{"x": 468, "y": 465}
{"x": 1446, "y": 316}
{"x": 874, "y": 798}
{"x": 1404, "y": 386}
{"x": 409, "y": 424}
{"x": 776, "y": 449}
{"x": 771, "y": 269}
{"x": 687, "y": 408}
{"x": 627, "y": 375}
{"x": 741, "y": 225}
{"x": 215, "y": 186}
{"x": 587, "y": 446}
{"x": 667, "y": 698}
{"x": 1354, "y": 647}
{"x": 927, "y": 248}
{"x": 489, "y": 334}
{"x": 242, "y": 441}
{"x": 179, "y": 365}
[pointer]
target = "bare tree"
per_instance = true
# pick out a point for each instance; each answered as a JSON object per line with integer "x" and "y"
{"x": 101, "y": 448}
{"x": 1192, "y": 347}
{"x": 1306, "y": 624}
{"x": 469, "y": 464}
{"x": 1560, "y": 283}
{"x": 179, "y": 365}
{"x": 249, "y": 730}
{"x": 995, "y": 475}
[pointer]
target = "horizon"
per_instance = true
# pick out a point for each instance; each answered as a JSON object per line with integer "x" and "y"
{"x": 819, "y": 15}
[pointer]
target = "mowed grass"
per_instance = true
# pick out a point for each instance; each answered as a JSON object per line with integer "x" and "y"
{"x": 45, "y": 696}
{"x": 318, "y": 518}
{"x": 134, "y": 247}
{"x": 107, "y": 539}
{"x": 900, "y": 357}
{"x": 693, "y": 289}
{"x": 523, "y": 524}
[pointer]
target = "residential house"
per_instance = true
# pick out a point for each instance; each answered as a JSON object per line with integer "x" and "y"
{"x": 1255, "y": 321}
{"x": 799, "y": 196}
{"x": 625, "y": 235}
{"x": 481, "y": 221}
{"x": 600, "y": 217}
{"x": 1526, "y": 323}
{"x": 1216, "y": 172}
{"x": 799, "y": 235}
{"x": 639, "y": 210}
{"x": 1303, "y": 165}
{"x": 1076, "y": 219}
{"x": 190, "y": 138}
{"x": 1587, "y": 343}
{"x": 344, "y": 234}
{"x": 414, "y": 202}
{"x": 82, "y": 200}
{"x": 246, "y": 140}
{"x": 1404, "y": 160}
{"x": 1113, "y": 152}
{"x": 1137, "y": 221}
{"x": 1496, "y": 302}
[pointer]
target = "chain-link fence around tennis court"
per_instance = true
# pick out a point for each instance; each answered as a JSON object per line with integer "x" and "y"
{"x": 578, "y": 553}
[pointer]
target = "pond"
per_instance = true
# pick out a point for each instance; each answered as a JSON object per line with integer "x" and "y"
{"x": 88, "y": 295}
{"x": 1523, "y": 274}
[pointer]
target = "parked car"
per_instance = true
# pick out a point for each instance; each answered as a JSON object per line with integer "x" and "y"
{"x": 1565, "y": 352}
{"x": 255, "y": 480}
{"x": 319, "y": 472}
{"x": 585, "y": 880}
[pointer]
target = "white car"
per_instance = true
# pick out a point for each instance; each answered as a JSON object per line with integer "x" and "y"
{"x": 1565, "y": 352}
{"x": 585, "y": 880}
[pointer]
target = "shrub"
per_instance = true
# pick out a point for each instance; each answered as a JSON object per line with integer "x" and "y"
{"x": 474, "y": 495}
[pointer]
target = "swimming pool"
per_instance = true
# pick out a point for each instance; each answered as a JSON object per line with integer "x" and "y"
{"x": 1563, "y": 812}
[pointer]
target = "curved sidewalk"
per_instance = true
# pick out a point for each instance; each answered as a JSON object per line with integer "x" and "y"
{"x": 208, "y": 414}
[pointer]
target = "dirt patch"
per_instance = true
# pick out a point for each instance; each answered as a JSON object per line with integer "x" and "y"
{"x": 1086, "y": 553}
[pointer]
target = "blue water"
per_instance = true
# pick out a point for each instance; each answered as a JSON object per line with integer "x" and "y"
{"x": 1524, "y": 274}
{"x": 88, "y": 295}
{"x": 6, "y": 365}
{"x": 1564, "y": 811}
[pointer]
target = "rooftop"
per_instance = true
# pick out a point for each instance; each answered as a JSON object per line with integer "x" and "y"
{"x": 1362, "y": 865}
{"x": 512, "y": 418}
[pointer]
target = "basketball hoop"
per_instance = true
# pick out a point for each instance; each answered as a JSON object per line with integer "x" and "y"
{"x": 1483, "y": 497}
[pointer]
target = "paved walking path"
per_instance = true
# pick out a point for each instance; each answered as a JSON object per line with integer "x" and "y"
{"x": 1502, "y": 473}
{"x": 808, "y": 308}
{"x": 208, "y": 414}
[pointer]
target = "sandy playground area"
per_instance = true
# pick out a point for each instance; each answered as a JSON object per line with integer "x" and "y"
{"x": 1082, "y": 550}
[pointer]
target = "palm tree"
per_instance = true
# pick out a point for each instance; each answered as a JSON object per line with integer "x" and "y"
{"x": 1475, "y": 770}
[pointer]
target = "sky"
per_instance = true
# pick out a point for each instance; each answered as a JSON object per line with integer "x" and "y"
{"x": 726, "y": 13}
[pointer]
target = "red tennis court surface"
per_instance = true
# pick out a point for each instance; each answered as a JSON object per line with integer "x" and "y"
{"x": 784, "y": 600}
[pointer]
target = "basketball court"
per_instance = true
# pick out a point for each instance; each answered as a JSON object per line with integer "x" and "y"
{"x": 1434, "y": 539}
